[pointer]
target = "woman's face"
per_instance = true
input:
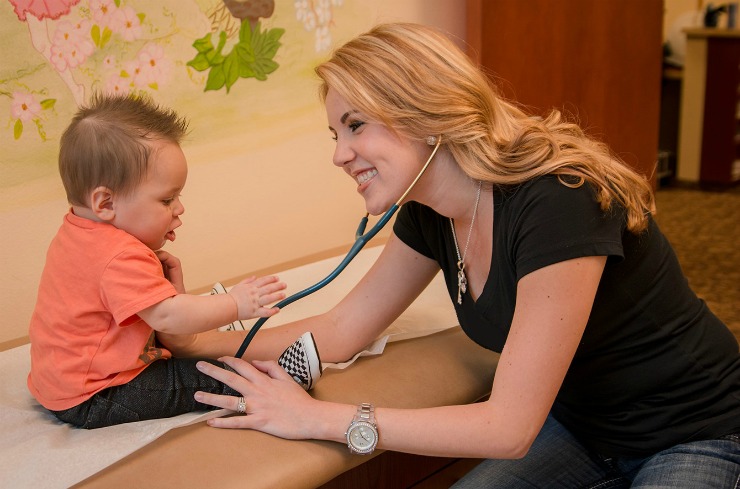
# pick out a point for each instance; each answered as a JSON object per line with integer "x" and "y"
{"x": 382, "y": 164}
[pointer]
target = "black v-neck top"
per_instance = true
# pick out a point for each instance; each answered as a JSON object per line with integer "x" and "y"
{"x": 654, "y": 368}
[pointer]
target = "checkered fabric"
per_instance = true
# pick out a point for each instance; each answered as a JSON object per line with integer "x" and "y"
{"x": 301, "y": 361}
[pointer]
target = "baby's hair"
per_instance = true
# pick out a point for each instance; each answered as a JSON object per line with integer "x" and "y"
{"x": 106, "y": 144}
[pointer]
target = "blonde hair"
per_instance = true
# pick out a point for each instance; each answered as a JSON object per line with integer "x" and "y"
{"x": 417, "y": 82}
{"x": 106, "y": 143}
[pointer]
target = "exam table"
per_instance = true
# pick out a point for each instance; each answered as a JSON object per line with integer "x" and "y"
{"x": 432, "y": 368}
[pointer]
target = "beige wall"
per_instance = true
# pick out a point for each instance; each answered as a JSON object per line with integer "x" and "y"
{"x": 252, "y": 202}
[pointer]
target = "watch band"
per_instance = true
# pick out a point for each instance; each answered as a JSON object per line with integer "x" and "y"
{"x": 365, "y": 412}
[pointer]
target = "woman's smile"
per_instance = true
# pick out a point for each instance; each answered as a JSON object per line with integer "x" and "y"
{"x": 366, "y": 175}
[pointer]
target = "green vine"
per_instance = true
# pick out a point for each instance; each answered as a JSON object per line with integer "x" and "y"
{"x": 251, "y": 57}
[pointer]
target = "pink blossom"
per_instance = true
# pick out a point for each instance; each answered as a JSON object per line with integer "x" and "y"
{"x": 70, "y": 46}
{"x": 24, "y": 107}
{"x": 125, "y": 22}
{"x": 138, "y": 77}
{"x": 41, "y": 9}
{"x": 153, "y": 65}
{"x": 116, "y": 85}
{"x": 109, "y": 63}
{"x": 102, "y": 11}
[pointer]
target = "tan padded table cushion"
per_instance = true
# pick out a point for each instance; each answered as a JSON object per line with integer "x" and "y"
{"x": 440, "y": 369}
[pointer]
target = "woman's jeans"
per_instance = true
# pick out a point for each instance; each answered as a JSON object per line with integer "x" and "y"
{"x": 558, "y": 460}
{"x": 163, "y": 389}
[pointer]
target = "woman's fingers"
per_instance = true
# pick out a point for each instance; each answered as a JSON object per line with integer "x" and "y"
{"x": 272, "y": 369}
{"x": 240, "y": 422}
{"x": 237, "y": 379}
{"x": 218, "y": 400}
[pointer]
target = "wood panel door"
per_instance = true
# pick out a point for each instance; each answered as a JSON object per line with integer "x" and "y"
{"x": 598, "y": 60}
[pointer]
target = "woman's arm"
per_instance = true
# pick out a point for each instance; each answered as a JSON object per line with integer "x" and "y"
{"x": 368, "y": 309}
{"x": 553, "y": 306}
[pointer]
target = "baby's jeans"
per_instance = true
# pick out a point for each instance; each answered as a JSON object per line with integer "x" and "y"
{"x": 558, "y": 460}
{"x": 163, "y": 389}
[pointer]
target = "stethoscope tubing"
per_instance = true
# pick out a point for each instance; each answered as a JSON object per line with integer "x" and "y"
{"x": 360, "y": 241}
{"x": 361, "y": 238}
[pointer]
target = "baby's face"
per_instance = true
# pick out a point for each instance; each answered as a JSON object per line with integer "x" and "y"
{"x": 151, "y": 212}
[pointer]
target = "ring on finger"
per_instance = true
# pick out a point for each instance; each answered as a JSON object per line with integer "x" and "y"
{"x": 241, "y": 406}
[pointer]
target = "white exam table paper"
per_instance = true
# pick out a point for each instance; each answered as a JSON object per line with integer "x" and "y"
{"x": 37, "y": 450}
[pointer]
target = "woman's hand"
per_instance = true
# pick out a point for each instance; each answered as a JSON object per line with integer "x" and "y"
{"x": 275, "y": 403}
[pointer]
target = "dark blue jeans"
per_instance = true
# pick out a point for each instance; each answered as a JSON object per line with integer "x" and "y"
{"x": 558, "y": 460}
{"x": 164, "y": 389}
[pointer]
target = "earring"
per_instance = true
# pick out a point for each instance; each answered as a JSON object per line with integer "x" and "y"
{"x": 431, "y": 140}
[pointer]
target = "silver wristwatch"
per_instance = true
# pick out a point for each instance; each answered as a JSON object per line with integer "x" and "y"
{"x": 362, "y": 434}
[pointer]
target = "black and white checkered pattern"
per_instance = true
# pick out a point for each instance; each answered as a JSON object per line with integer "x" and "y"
{"x": 301, "y": 360}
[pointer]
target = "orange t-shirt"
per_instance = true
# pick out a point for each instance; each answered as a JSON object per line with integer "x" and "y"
{"x": 85, "y": 332}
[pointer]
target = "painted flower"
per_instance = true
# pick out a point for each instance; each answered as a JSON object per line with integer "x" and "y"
{"x": 153, "y": 66}
{"x": 116, "y": 85}
{"x": 102, "y": 11}
{"x": 309, "y": 21}
{"x": 46, "y": 9}
{"x": 109, "y": 63}
{"x": 125, "y": 22}
{"x": 133, "y": 69}
{"x": 24, "y": 107}
{"x": 323, "y": 38}
{"x": 301, "y": 9}
{"x": 70, "y": 46}
{"x": 323, "y": 12}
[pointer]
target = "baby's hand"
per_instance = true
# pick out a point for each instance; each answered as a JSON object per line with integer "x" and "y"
{"x": 172, "y": 270}
{"x": 253, "y": 296}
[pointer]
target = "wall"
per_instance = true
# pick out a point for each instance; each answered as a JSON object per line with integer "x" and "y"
{"x": 261, "y": 188}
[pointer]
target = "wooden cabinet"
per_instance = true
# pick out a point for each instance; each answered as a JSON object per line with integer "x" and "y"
{"x": 600, "y": 61}
{"x": 709, "y": 150}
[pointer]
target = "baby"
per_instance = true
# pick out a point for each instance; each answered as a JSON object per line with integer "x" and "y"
{"x": 107, "y": 287}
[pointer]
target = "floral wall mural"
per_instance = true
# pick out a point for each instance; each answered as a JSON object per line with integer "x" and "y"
{"x": 60, "y": 51}
{"x": 242, "y": 71}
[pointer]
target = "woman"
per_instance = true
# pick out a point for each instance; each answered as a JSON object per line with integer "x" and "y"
{"x": 611, "y": 368}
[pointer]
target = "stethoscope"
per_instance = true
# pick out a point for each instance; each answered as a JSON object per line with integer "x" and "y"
{"x": 361, "y": 238}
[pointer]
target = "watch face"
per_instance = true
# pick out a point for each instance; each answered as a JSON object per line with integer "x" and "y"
{"x": 362, "y": 436}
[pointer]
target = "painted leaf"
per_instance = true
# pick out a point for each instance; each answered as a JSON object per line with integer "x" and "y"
{"x": 245, "y": 32}
{"x": 48, "y": 103}
{"x": 17, "y": 129}
{"x": 216, "y": 78}
{"x": 231, "y": 70}
{"x": 204, "y": 44}
{"x": 199, "y": 63}
{"x": 106, "y": 37}
{"x": 95, "y": 34}
{"x": 246, "y": 56}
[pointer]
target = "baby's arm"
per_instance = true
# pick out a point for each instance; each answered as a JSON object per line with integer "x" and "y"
{"x": 186, "y": 314}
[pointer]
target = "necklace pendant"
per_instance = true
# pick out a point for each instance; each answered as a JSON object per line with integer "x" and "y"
{"x": 462, "y": 281}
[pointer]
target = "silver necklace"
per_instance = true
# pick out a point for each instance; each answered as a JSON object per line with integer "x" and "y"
{"x": 462, "y": 280}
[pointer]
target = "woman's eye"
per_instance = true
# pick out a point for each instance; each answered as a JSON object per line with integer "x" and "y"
{"x": 168, "y": 201}
{"x": 354, "y": 126}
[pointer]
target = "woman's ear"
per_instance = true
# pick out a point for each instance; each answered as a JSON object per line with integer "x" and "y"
{"x": 101, "y": 203}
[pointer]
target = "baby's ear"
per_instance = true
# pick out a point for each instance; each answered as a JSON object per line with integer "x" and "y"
{"x": 101, "y": 203}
